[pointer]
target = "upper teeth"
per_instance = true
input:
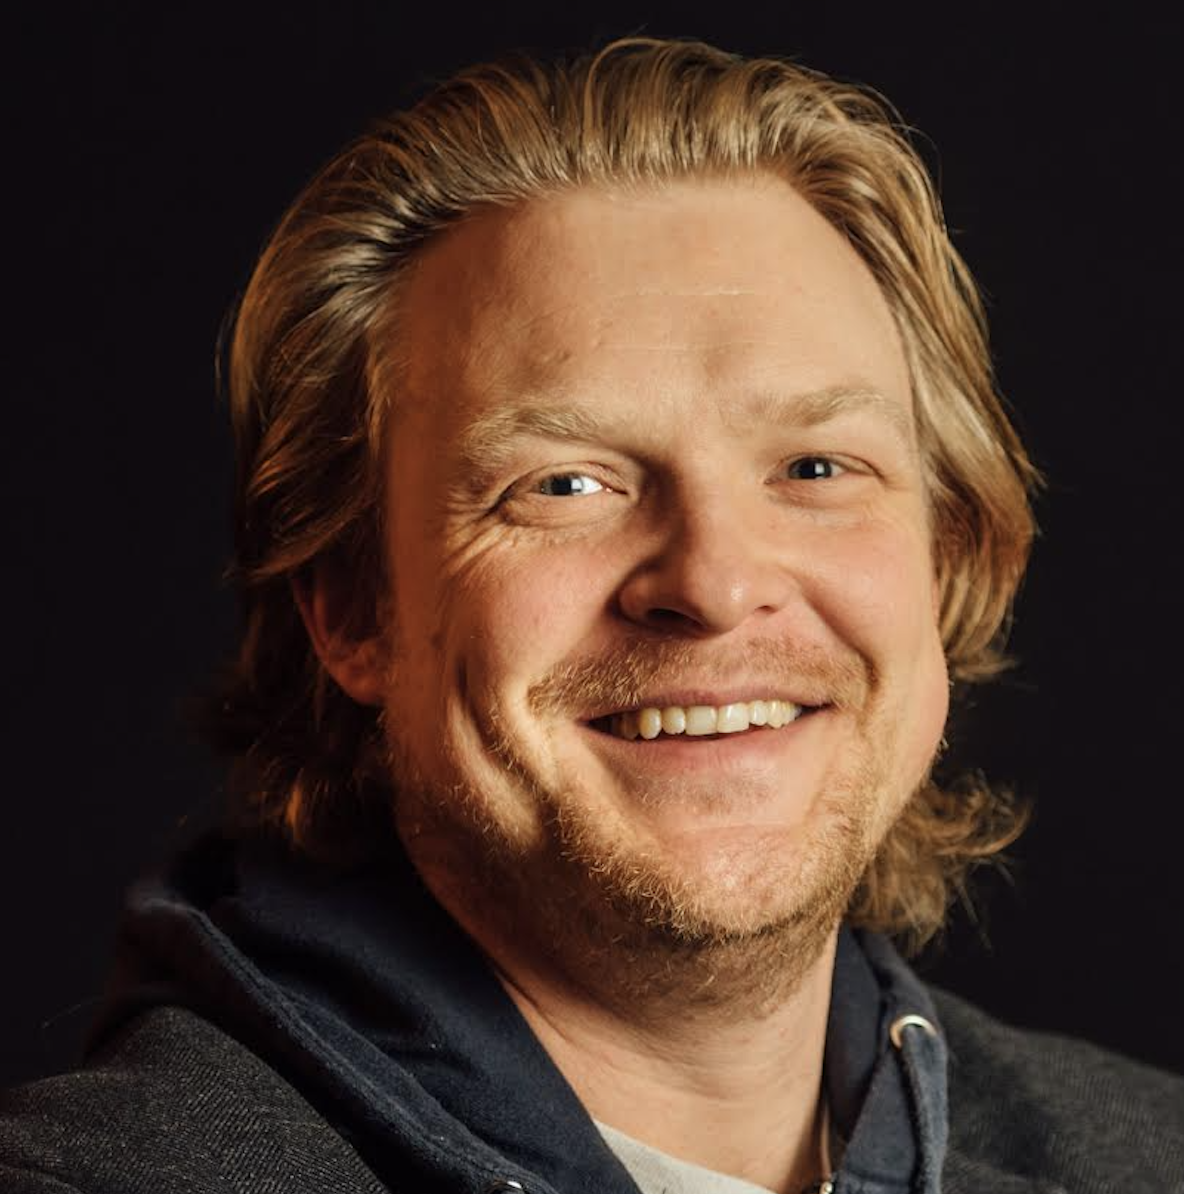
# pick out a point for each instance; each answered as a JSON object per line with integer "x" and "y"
{"x": 696, "y": 720}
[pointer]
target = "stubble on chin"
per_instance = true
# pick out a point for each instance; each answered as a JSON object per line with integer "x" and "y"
{"x": 740, "y": 932}
{"x": 623, "y": 925}
{"x": 622, "y": 922}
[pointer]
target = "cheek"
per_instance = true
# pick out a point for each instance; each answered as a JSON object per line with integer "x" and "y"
{"x": 877, "y": 596}
{"x": 929, "y": 705}
{"x": 891, "y": 608}
{"x": 876, "y": 590}
{"x": 515, "y": 613}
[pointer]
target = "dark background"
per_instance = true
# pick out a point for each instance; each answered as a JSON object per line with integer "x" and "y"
{"x": 150, "y": 151}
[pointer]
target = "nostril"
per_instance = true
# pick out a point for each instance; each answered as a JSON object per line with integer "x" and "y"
{"x": 669, "y": 617}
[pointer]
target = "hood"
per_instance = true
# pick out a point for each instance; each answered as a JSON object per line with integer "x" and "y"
{"x": 363, "y": 993}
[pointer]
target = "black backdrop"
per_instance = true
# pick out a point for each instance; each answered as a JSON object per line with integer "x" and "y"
{"x": 149, "y": 152}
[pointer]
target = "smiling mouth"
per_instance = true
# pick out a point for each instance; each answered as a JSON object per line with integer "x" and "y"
{"x": 700, "y": 721}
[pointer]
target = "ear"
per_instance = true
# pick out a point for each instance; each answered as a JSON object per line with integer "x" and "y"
{"x": 357, "y": 664}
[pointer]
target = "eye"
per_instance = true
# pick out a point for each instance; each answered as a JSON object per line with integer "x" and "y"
{"x": 568, "y": 485}
{"x": 814, "y": 468}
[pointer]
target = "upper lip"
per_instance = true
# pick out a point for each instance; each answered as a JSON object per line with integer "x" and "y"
{"x": 734, "y": 695}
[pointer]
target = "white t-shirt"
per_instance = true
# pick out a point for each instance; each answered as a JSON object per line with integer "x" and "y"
{"x": 656, "y": 1172}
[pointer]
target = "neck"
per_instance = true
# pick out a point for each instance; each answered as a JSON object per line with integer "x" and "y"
{"x": 733, "y": 1090}
{"x": 708, "y": 1046}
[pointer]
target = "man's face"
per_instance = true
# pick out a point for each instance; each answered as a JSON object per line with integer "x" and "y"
{"x": 655, "y": 450}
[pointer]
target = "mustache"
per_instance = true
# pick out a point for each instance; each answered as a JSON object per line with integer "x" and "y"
{"x": 622, "y": 676}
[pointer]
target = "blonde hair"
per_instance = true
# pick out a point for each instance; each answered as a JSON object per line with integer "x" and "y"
{"x": 308, "y": 391}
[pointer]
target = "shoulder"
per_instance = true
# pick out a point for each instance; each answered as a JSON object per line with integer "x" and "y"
{"x": 171, "y": 1103}
{"x": 1050, "y": 1107}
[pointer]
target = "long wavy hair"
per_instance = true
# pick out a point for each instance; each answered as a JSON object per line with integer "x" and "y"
{"x": 309, "y": 391}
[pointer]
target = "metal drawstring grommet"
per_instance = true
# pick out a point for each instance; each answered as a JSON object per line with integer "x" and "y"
{"x": 896, "y": 1032}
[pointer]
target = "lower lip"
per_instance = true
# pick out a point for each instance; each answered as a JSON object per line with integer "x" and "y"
{"x": 688, "y": 753}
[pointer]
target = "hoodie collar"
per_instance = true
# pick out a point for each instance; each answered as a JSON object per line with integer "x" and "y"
{"x": 362, "y": 992}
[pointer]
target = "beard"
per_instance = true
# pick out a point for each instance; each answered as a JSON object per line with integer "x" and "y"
{"x": 618, "y": 918}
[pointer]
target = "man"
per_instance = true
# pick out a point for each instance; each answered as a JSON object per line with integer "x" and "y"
{"x": 621, "y": 488}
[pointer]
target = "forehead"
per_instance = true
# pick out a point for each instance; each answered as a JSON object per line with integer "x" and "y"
{"x": 732, "y": 287}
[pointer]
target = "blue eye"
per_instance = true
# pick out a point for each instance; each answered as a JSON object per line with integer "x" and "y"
{"x": 569, "y": 485}
{"x": 814, "y": 468}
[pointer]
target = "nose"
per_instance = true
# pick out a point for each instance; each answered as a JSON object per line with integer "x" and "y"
{"x": 714, "y": 567}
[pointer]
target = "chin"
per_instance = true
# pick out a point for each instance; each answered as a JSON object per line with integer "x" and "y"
{"x": 700, "y": 928}
{"x": 712, "y": 883}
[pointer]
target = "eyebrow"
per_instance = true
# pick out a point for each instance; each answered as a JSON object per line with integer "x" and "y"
{"x": 487, "y": 442}
{"x": 815, "y": 407}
